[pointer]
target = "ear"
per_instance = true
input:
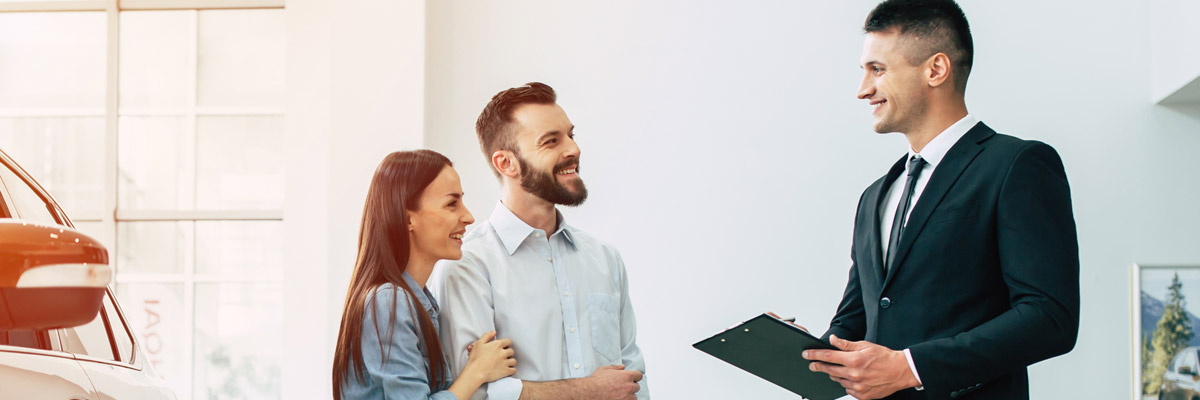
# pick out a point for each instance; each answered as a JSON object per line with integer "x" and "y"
{"x": 506, "y": 162}
{"x": 408, "y": 215}
{"x": 937, "y": 70}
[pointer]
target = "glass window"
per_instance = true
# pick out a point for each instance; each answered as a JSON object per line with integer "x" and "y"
{"x": 156, "y": 59}
{"x": 158, "y": 315}
{"x": 158, "y": 247}
{"x": 90, "y": 339}
{"x": 63, "y": 154}
{"x": 241, "y": 58}
{"x": 28, "y": 204}
{"x": 239, "y": 164}
{"x": 25, "y": 338}
{"x": 52, "y": 60}
{"x": 234, "y": 358}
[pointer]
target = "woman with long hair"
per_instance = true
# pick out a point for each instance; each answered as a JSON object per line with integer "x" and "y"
{"x": 388, "y": 341}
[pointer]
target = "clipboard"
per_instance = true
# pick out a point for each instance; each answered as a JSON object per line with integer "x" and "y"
{"x": 770, "y": 349}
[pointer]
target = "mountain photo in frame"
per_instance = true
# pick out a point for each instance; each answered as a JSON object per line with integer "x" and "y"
{"x": 1166, "y": 339}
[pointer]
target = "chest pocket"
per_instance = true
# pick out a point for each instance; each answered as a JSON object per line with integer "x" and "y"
{"x": 603, "y": 312}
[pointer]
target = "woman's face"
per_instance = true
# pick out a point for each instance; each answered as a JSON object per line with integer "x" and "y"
{"x": 439, "y": 223}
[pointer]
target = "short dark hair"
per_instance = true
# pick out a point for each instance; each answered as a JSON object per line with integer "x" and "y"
{"x": 494, "y": 125}
{"x": 936, "y": 26}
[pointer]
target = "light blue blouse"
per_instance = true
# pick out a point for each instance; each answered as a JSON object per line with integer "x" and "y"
{"x": 395, "y": 368}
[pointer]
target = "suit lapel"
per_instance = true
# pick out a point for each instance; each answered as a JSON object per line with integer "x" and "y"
{"x": 876, "y": 233}
{"x": 944, "y": 176}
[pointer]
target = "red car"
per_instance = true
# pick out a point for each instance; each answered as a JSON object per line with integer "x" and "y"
{"x": 62, "y": 333}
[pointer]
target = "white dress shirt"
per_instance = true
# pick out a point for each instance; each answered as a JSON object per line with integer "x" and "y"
{"x": 563, "y": 300}
{"x": 933, "y": 153}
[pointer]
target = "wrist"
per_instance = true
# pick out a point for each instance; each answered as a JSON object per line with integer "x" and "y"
{"x": 472, "y": 375}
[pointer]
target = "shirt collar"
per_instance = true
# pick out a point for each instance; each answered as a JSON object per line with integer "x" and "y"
{"x": 936, "y": 149}
{"x": 423, "y": 296}
{"x": 513, "y": 230}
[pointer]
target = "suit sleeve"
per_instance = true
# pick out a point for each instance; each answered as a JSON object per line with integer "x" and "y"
{"x": 464, "y": 293}
{"x": 1039, "y": 262}
{"x": 850, "y": 321}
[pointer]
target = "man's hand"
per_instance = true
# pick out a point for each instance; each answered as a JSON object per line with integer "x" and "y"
{"x": 613, "y": 382}
{"x": 866, "y": 370}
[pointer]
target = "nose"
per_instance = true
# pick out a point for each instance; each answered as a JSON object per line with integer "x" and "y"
{"x": 467, "y": 218}
{"x": 572, "y": 148}
{"x": 866, "y": 88}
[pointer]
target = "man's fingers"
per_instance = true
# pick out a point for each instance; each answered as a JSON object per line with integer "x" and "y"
{"x": 846, "y": 345}
{"x": 487, "y": 337}
{"x": 611, "y": 367}
{"x": 828, "y": 356}
{"x": 637, "y": 375}
{"x": 838, "y": 372}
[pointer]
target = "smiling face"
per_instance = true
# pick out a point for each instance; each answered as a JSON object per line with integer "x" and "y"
{"x": 548, "y": 156}
{"x": 440, "y": 220}
{"x": 893, "y": 87}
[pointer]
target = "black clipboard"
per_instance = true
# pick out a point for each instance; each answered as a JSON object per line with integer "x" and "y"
{"x": 770, "y": 349}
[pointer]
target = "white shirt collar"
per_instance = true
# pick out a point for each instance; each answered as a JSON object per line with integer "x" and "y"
{"x": 936, "y": 149}
{"x": 513, "y": 230}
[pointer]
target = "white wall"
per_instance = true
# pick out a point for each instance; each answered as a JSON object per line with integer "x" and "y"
{"x": 725, "y": 151}
{"x": 356, "y": 73}
{"x": 1174, "y": 59}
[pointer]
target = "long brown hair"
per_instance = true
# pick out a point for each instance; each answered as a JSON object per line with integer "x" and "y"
{"x": 383, "y": 253}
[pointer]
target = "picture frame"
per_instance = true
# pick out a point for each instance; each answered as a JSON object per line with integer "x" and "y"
{"x": 1166, "y": 366}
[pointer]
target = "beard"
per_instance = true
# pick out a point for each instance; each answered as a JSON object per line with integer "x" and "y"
{"x": 543, "y": 184}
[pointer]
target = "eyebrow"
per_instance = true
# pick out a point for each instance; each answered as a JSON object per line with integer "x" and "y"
{"x": 869, "y": 63}
{"x": 456, "y": 196}
{"x": 553, "y": 133}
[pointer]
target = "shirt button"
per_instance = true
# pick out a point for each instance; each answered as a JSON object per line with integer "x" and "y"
{"x": 885, "y": 302}
{"x": 537, "y": 234}
{"x": 566, "y": 293}
{"x": 572, "y": 330}
{"x": 550, "y": 259}
{"x": 576, "y": 365}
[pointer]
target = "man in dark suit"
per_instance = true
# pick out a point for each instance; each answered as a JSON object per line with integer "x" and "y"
{"x": 965, "y": 263}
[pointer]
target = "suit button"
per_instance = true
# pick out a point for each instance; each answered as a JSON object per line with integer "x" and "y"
{"x": 885, "y": 302}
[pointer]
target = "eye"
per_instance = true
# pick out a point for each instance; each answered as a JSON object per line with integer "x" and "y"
{"x": 452, "y": 204}
{"x": 551, "y": 141}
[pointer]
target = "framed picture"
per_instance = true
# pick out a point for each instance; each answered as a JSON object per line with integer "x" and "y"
{"x": 1166, "y": 341}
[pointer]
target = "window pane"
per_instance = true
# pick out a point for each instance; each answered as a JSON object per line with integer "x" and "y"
{"x": 52, "y": 59}
{"x": 119, "y": 330}
{"x": 99, "y": 231}
{"x": 241, "y": 58}
{"x": 65, "y": 155}
{"x": 238, "y": 344}
{"x": 156, "y": 312}
{"x": 156, "y": 163}
{"x": 29, "y": 205}
{"x": 158, "y": 247}
{"x": 240, "y": 249}
{"x": 240, "y": 163}
{"x": 157, "y": 58}
{"x": 90, "y": 339}
{"x": 25, "y": 338}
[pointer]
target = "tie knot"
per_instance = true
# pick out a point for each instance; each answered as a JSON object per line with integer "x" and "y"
{"x": 915, "y": 163}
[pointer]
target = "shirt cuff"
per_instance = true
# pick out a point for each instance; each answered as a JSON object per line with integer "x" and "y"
{"x": 913, "y": 367}
{"x": 507, "y": 388}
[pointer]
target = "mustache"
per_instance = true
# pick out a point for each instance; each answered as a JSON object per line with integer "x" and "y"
{"x": 566, "y": 164}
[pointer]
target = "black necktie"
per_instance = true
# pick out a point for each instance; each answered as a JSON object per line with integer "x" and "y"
{"x": 914, "y": 170}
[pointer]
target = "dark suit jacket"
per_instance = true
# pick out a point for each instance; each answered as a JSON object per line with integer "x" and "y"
{"x": 986, "y": 278}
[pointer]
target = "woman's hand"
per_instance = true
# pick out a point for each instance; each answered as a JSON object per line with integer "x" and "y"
{"x": 490, "y": 359}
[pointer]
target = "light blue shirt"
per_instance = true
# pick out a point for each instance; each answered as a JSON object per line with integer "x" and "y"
{"x": 395, "y": 367}
{"x": 563, "y": 300}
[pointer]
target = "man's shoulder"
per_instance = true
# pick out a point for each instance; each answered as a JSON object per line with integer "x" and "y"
{"x": 587, "y": 242}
